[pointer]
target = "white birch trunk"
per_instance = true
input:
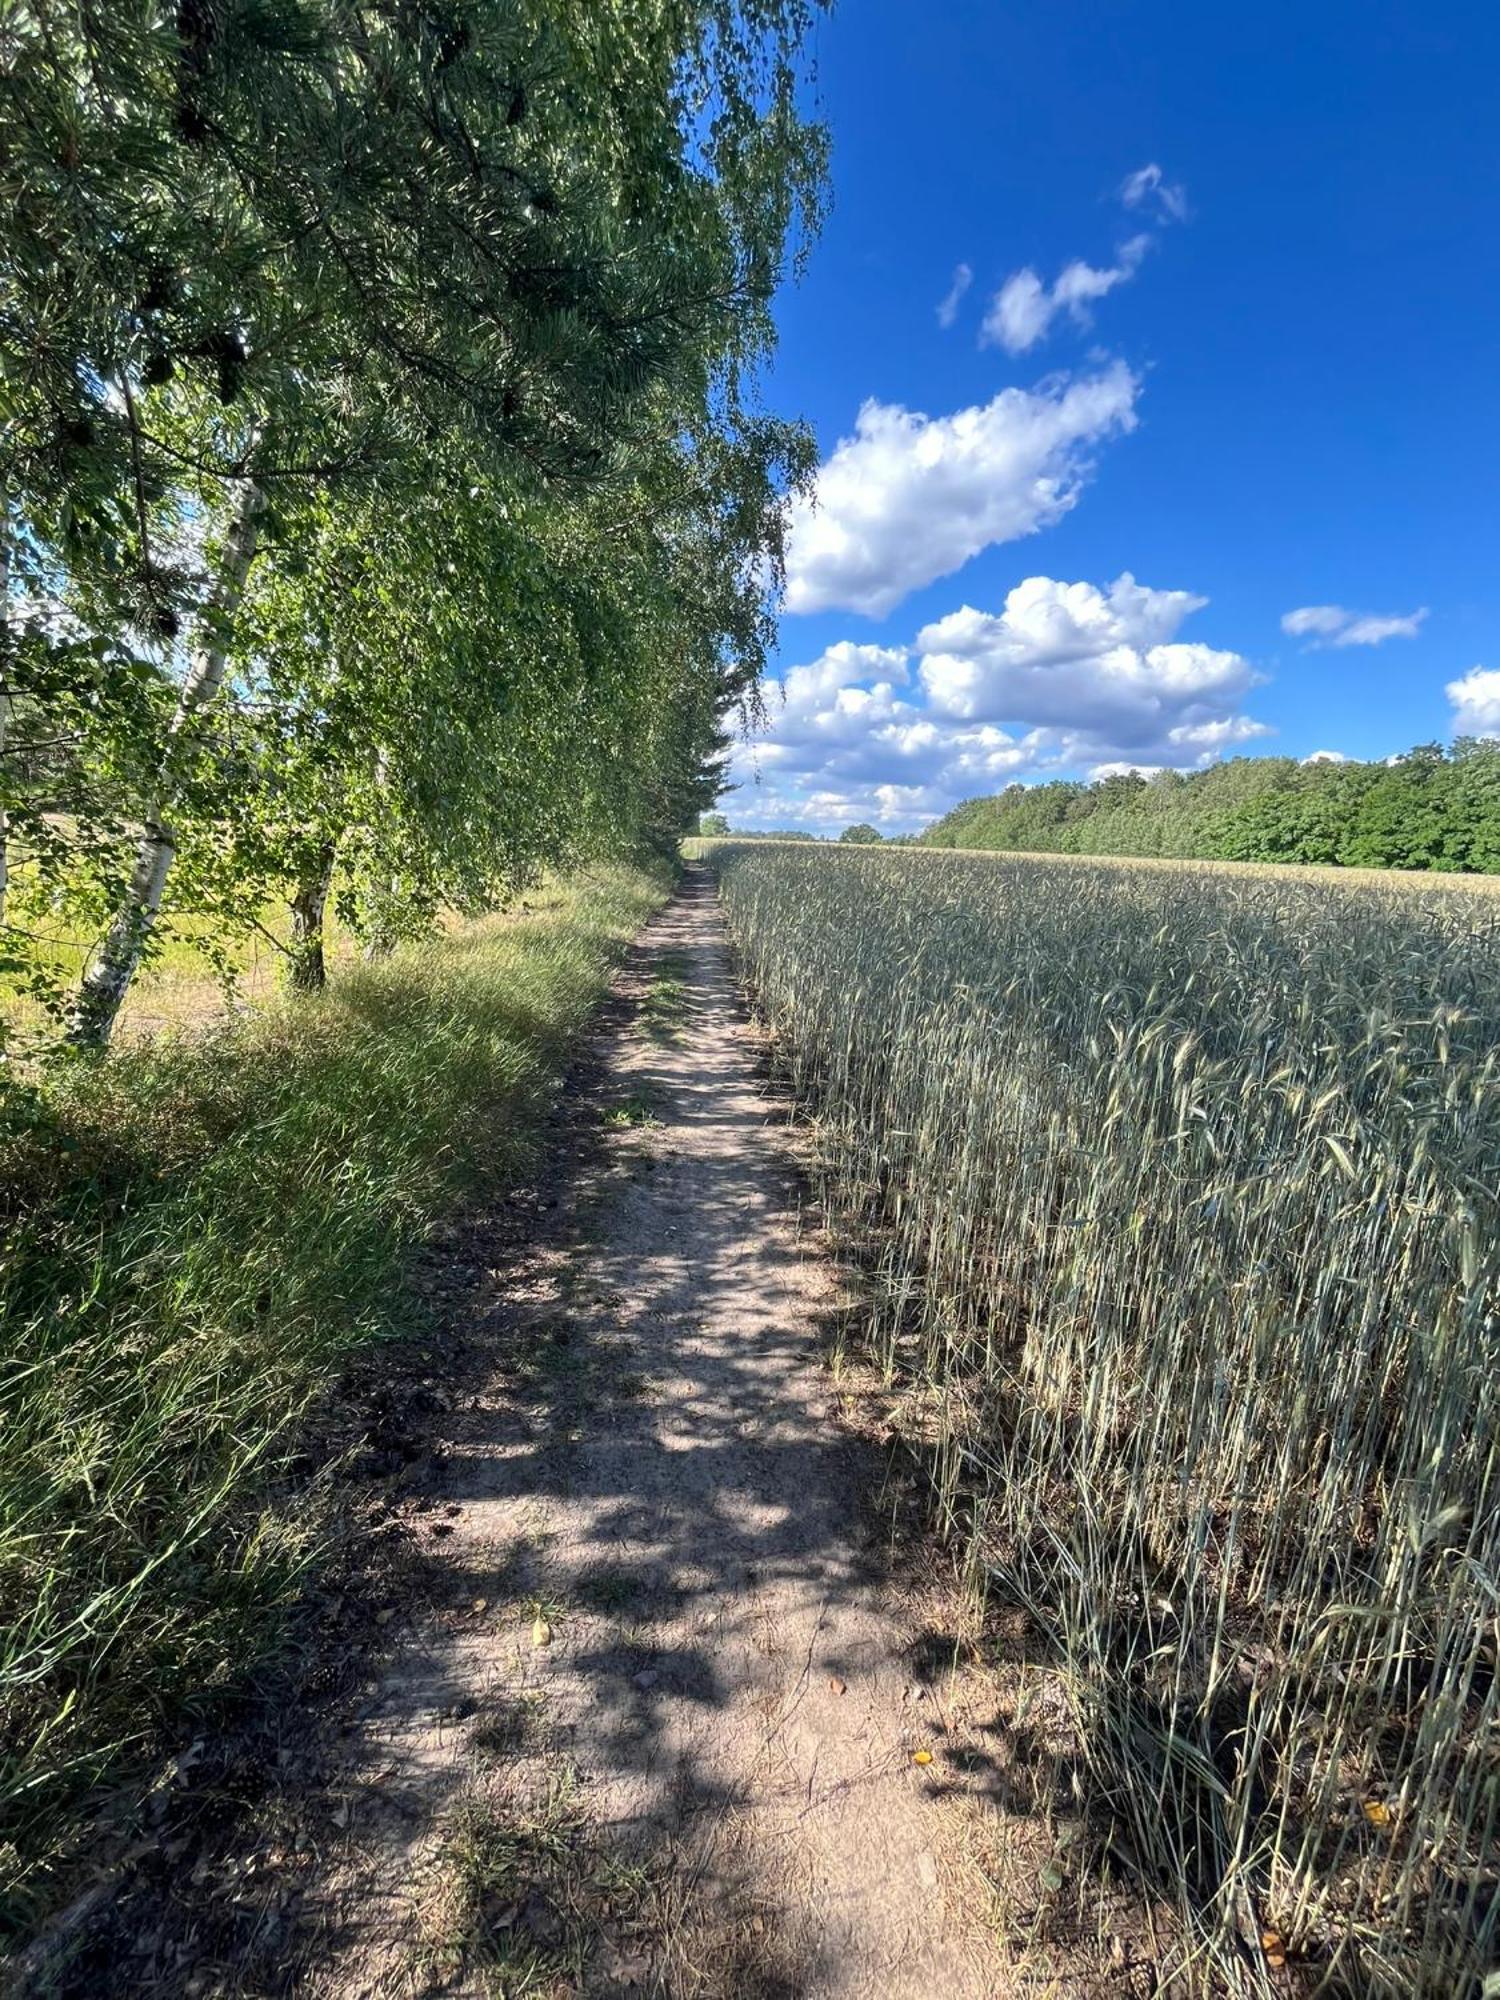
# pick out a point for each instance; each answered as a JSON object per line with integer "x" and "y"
{"x": 107, "y": 977}
{"x": 308, "y": 968}
{"x": 379, "y": 942}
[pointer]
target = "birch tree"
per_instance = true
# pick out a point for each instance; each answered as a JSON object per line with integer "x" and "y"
{"x": 351, "y": 232}
{"x": 453, "y": 693}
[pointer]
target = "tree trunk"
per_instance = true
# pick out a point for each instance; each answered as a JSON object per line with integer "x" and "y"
{"x": 380, "y": 941}
{"x": 308, "y": 970}
{"x": 112, "y": 966}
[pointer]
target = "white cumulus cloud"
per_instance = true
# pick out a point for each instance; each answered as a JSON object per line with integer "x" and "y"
{"x": 1333, "y": 625}
{"x": 953, "y": 298}
{"x": 1476, "y": 702}
{"x": 1102, "y": 663}
{"x": 909, "y": 498}
{"x": 1022, "y": 311}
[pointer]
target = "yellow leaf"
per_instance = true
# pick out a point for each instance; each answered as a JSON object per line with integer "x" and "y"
{"x": 921, "y": 1756}
{"x": 541, "y": 1633}
{"x": 1377, "y": 1813}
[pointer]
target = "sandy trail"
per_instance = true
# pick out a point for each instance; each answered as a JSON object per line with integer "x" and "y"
{"x": 722, "y": 1669}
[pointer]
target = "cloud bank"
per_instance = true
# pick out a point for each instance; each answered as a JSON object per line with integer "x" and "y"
{"x": 1064, "y": 677}
{"x": 1104, "y": 665}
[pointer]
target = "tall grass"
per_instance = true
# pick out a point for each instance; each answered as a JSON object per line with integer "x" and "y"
{"x": 1185, "y": 1182}
{"x": 194, "y": 1232}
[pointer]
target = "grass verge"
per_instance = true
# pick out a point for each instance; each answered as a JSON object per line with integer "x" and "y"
{"x": 192, "y": 1234}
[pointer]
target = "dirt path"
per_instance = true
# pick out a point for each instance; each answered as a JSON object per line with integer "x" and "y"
{"x": 665, "y": 1581}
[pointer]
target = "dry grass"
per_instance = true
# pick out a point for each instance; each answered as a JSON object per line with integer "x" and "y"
{"x": 198, "y": 978}
{"x": 1183, "y": 1185}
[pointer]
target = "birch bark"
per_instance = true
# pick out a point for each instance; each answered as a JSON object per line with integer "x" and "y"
{"x": 380, "y": 941}
{"x": 113, "y": 963}
{"x": 308, "y": 967}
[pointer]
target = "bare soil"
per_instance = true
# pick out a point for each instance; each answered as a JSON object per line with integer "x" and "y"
{"x": 691, "y": 1614}
{"x": 638, "y": 1706}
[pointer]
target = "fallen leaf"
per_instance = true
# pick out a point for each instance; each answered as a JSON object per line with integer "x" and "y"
{"x": 1273, "y": 1944}
{"x": 541, "y": 1633}
{"x": 836, "y": 1685}
{"x": 921, "y": 1756}
{"x": 481, "y": 1604}
{"x": 1377, "y": 1812}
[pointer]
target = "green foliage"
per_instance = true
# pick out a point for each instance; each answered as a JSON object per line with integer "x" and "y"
{"x": 1184, "y": 1241}
{"x": 194, "y": 1234}
{"x": 861, "y": 835}
{"x": 463, "y": 309}
{"x": 305, "y": 238}
{"x": 712, "y": 826}
{"x": 1432, "y": 809}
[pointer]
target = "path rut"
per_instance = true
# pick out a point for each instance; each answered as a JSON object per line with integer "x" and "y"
{"x": 721, "y": 1662}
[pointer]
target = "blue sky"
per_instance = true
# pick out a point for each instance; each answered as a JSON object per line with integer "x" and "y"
{"x": 1229, "y": 331}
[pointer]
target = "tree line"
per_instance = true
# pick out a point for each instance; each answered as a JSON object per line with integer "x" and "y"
{"x": 1433, "y": 808}
{"x": 387, "y": 509}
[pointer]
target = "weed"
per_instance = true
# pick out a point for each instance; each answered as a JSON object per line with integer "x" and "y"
{"x": 522, "y": 1896}
{"x": 512, "y": 1726}
{"x": 664, "y": 1007}
{"x": 638, "y": 1110}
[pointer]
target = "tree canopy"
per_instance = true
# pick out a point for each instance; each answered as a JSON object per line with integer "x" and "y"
{"x": 1433, "y": 808}
{"x": 386, "y": 498}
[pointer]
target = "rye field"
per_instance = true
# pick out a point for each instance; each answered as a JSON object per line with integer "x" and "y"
{"x": 1174, "y": 1188}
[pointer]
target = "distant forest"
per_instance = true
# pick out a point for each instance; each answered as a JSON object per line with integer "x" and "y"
{"x": 1433, "y": 808}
